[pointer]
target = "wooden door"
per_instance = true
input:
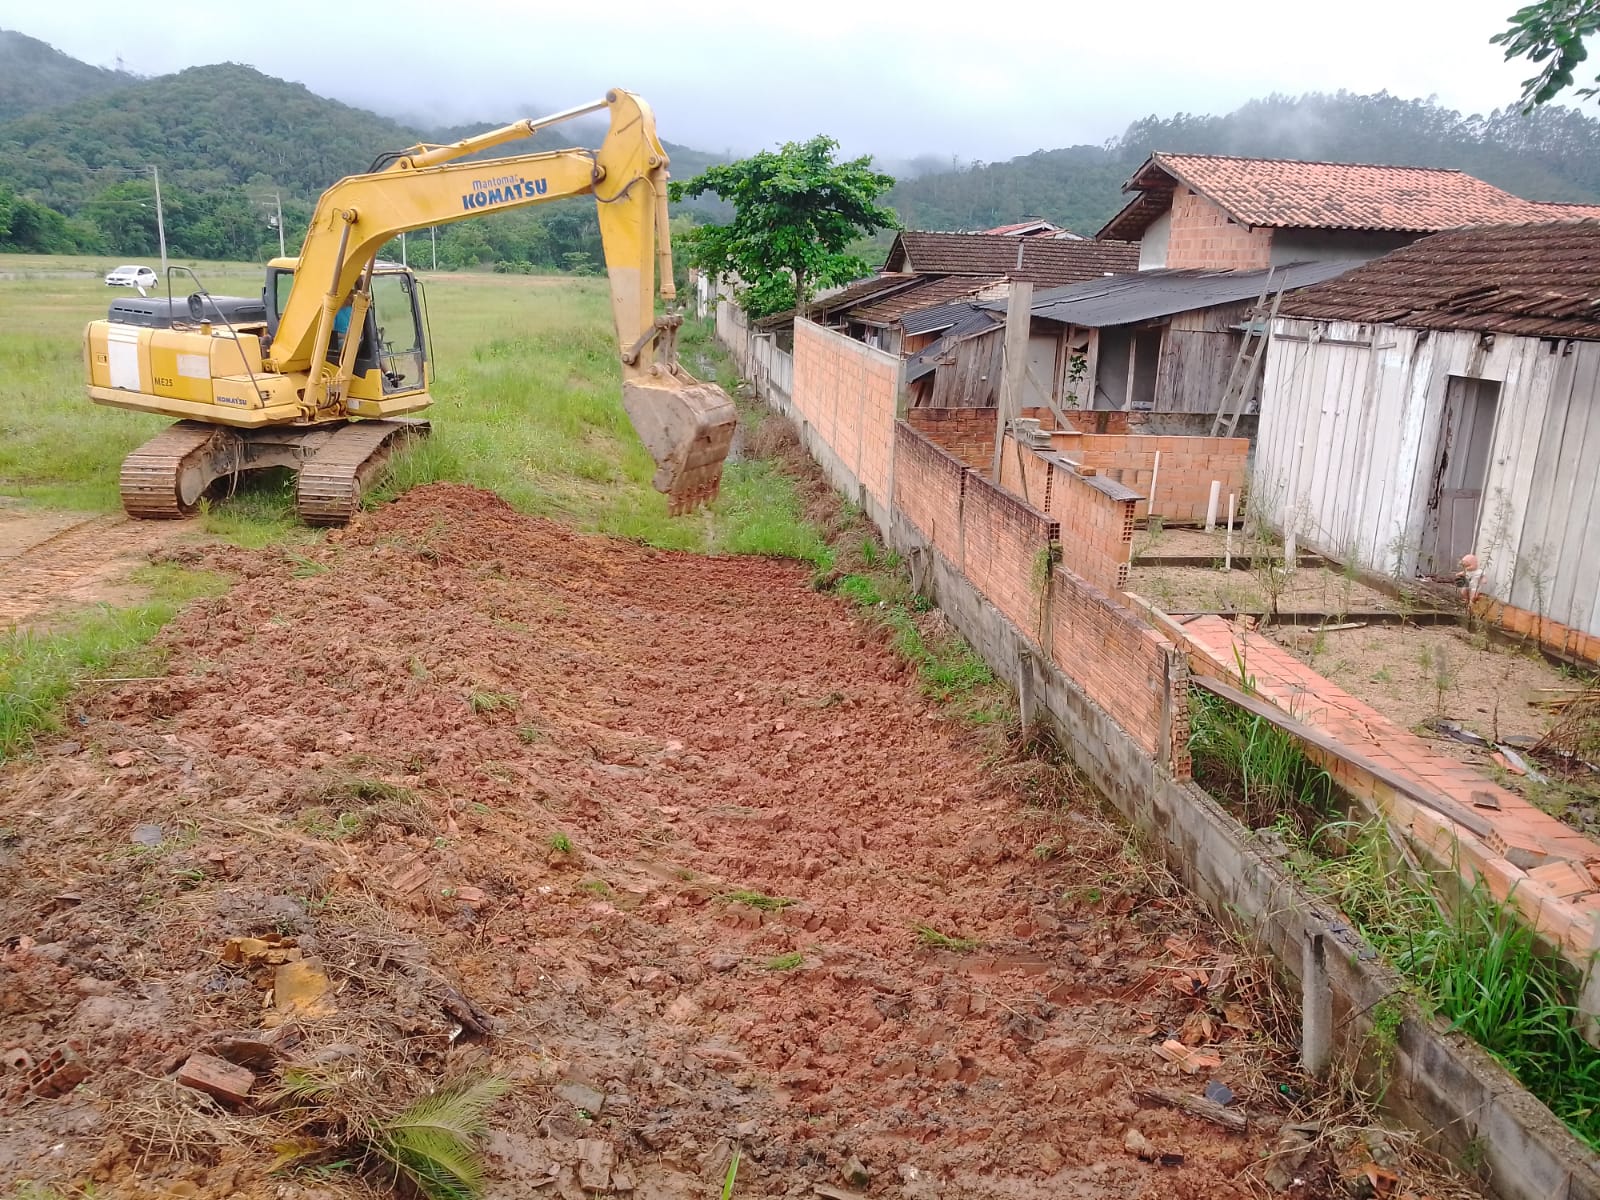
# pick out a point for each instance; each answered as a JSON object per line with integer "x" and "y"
{"x": 1460, "y": 467}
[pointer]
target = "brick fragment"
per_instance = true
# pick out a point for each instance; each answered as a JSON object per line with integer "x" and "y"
{"x": 217, "y": 1077}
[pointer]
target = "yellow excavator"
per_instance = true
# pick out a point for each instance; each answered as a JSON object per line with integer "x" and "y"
{"x": 317, "y": 374}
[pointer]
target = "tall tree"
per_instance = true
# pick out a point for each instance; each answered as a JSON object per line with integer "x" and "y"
{"x": 1551, "y": 33}
{"x": 795, "y": 212}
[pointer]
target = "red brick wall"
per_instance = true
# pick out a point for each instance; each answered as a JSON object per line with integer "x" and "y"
{"x": 1096, "y": 530}
{"x": 928, "y": 486}
{"x": 847, "y": 392}
{"x": 1204, "y": 236}
{"x": 1008, "y": 546}
{"x": 1003, "y": 546}
{"x": 1552, "y": 635}
{"x": 1097, "y": 421}
{"x": 1188, "y": 465}
{"x": 1118, "y": 660}
{"x": 968, "y": 433}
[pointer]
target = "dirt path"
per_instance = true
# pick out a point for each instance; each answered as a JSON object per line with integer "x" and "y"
{"x": 385, "y": 757}
{"x": 51, "y": 560}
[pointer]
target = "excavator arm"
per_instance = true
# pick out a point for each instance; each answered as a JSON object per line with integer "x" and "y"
{"x": 686, "y": 425}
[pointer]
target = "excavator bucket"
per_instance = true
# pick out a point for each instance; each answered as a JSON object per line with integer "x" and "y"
{"x": 687, "y": 426}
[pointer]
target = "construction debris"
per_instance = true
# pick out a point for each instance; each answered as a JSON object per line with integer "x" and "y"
{"x": 1199, "y": 1106}
{"x": 218, "y": 1078}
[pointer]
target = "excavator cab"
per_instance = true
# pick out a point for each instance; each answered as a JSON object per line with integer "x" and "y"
{"x": 392, "y": 358}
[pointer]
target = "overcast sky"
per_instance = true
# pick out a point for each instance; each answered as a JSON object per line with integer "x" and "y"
{"x": 970, "y": 79}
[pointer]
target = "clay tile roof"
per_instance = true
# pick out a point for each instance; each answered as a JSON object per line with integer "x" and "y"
{"x": 1286, "y": 193}
{"x": 1046, "y": 261}
{"x": 1538, "y": 280}
{"x": 927, "y": 294}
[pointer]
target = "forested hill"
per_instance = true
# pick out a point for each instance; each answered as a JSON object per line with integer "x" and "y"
{"x": 34, "y": 75}
{"x": 1553, "y": 154}
{"x": 231, "y": 144}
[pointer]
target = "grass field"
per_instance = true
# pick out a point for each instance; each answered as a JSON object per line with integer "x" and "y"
{"x": 528, "y": 404}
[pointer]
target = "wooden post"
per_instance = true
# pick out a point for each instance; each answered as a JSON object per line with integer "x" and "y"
{"x": 1013, "y": 366}
{"x": 1155, "y": 474}
{"x": 1227, "y": 540}
{"x": 1089, "y": 369}
{"x": 1133, "y": 363}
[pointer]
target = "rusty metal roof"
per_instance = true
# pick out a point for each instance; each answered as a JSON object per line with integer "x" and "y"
{"x": 927, "y": 294}
{"x": 855, "y": 293}
{"x": 1051, "y": 262}
{"x": 1288, "y": 193}
{"x": 1537, "y": 280}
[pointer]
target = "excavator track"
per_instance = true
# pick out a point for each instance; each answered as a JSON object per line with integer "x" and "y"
{"x": 351, "y": 460}
{"x": 165, "y": 478}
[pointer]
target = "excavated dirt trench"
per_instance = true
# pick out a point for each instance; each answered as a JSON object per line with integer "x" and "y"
{"x": 377, "y": 754}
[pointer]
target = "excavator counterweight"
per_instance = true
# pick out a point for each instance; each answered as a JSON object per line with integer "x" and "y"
{"x": 319, "y": 375}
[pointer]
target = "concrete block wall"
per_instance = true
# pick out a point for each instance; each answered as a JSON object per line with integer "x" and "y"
{"x": 1188, "y": 465}
{"x": 847, "y": 393}
{"x": 1202, "y": 235}
{"x": 968, "y": 433}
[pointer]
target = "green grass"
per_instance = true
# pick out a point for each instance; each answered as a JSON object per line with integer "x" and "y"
{"x": 1478, "y": 967}
{"x": 759, "y": 900}
{"x": 927, "y": 935}
{"x": 786, "y": 962}
{"x": 40, "y": 668}
{"x": 1254, "y": 767}
{"x": 560, "y": 843}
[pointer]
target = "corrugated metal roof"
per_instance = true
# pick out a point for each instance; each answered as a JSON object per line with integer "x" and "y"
{"x": 977, "y": 321}
{"x": 1126, "y": 299}
{"x": 1538, "y": 280}
{"x": 940, "y": 316}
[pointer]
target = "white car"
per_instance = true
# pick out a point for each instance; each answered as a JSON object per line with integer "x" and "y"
{"x": 134, "y": 277}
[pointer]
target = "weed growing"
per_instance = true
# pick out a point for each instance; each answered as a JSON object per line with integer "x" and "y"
{"x": 928, "y": 936}
{"x": 1259, "y": 770}
{"x": 1477, "y": 966}
{"x": 759, "y": 900}
{"x": 786, "y": 962}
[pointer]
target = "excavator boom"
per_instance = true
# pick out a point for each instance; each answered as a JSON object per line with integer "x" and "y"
{"x": 687, "y": 426}
{"x": 321, "y": 374}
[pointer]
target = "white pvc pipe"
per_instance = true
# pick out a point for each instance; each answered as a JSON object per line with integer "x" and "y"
{"x": 1211, "y": 505}
{"x": 1155, "y": 474}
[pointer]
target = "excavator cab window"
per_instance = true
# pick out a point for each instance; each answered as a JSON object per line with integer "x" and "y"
{"x": 396, "y": 320}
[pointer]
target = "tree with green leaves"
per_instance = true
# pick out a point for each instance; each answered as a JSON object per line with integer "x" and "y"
{"x": 795, "y": 212}
{"x": 1551, "y": 34}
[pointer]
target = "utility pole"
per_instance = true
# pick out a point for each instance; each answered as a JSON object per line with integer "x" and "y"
{"x": 277, "y": 199}
{"x": 161, "y": 224}
{"x": 403, "y": 261}
{"x": 433, "y": 236}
